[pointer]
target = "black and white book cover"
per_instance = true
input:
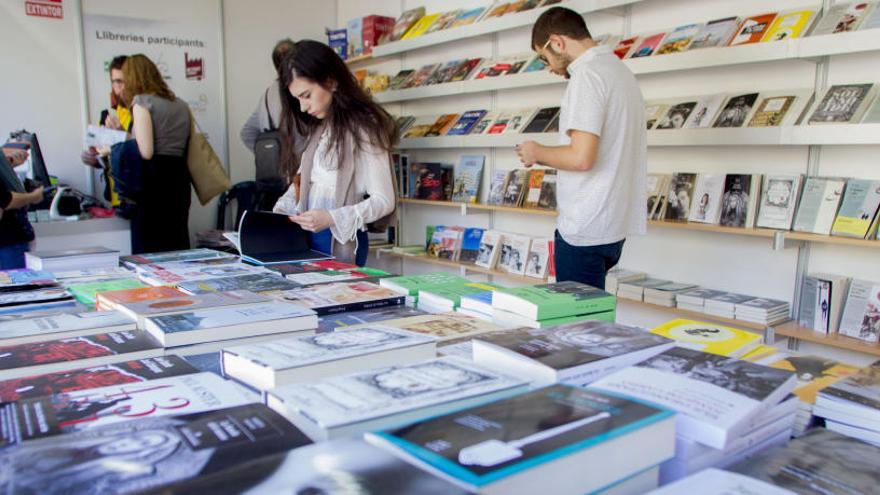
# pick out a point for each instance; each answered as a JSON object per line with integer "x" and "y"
{"x": 735, "y": 200}
{"x": 680, "y": 196}
{"x": 483, "y": 444}
{"x": 146, "y": 454}
{"x": 736, "y": 111}
{"x": 345, "y": 466}
{"x": 778, "y": 201}
{"x": 842, "y": 103}
{"x": 677, "y": 115}
{"x": 256, "y": 282}
{"x": 332, "y": 322}
{"x": 862, "y": 388}
{"x": 818, "y": 463}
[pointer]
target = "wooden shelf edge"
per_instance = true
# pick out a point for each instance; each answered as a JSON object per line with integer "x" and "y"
{"x": 792, "y": 330}
{"x": 479, "y": 206}
{"x": 696, "y": 315}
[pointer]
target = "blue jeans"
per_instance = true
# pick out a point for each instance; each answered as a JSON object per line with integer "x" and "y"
{"x": 323, "y": 241}
{"x": 12, "y": 256}
{"x": 585, "y": 264}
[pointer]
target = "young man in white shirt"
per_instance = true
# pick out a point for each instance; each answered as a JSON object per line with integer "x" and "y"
{"x": 602, "y": 156}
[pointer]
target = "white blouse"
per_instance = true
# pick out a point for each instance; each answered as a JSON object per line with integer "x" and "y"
{"x": 372, "y": 175}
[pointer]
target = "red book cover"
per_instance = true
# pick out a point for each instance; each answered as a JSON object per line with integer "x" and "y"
{"x": 430, "y": 182}
{"x": 334, "y": 265}
{"x": 109, "y": 300}
{"x": 752, "y": 30}
{"x": 375, "y": 26}
{"x": 551, "y": 260}
{"x": 140, "y": 370}
{"x": 624, "y": 46}
{"x": 648, "y": 45}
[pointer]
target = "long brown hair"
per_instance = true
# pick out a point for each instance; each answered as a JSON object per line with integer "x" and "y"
{"x": 352, "y": 111}
{"x": 143, "y": 77}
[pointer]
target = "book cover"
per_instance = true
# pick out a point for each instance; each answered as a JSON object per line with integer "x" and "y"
{"x": 871, "y": 19}
{"x": 514, "y": 253}
{"x": 496, "y": 187}
{"x": 539, "y": 257}
{"x": 779, "y": 198}
{"x": 861, "y": 314}
{"x": 343, "y": 296}
{"x": 655, "y": 187}
{"x": 25, "y": 276}
{"x": 41, "y": 295}
{"x": 328, "y": 276}
{"x": 533, "y": 193}
{"x": 40, "y": 327}
{"x": 653, "y": 113}
{"x": 753, "y": 29}
{"x": 818, "y": 205}
{"x": 716, "y": 33}
{"x": 443, "y": 326}
{"x": 420, "y": 77}
{"x": 842, "y": 103}
{"x": 442, "y": 125}
{"x": 412, "y": 284}
{"x": 405, "y": 22}
{"x": 861, "y": 388}
{"x": 485, "y": 123}
{"x": 70, "y": 253}
{"x": 541, "y": 120}
{"x": 171, "y": 275}
{"x": 328, "y": 323}
{"x": 184, "y": 255}
{"x": 842, "y": 18}
{"x": 704, "y": 113}
{"x": 624, "y": 46}
{"x": 488, "y": 443}
{"x": 814, "y": 373}
{"x": 771, "y": 111}
{"x": 500, "y": 123}
{"x": 466, "y": 70}
{"x": 254, "y": 283}
{"x": 188, "y": 303}
{"x": 679, "y": 196}
{"x": 554, "y": 300}
{"x": 466, "y": 122}
{"x": 736, "y": 110}
{"x": 736, "y": 200}
{"x": 677, "y": 115}
{"x": 442, "y": 22}
{"x": 518, "y": 120}
{"x": 165, "y": 450}
{"x": 536, "y": 64}
{"x": 357, "y": 397}
{"x": 547, "y": 198}
{"x": 647, "y": 45}
{"x": 490, "y": 248}
{"x": 861, "y": 200}
{"x": 468, "y": 174}
{"x": 789, "y": 25}
{"x": 111, "y": 299}
{"x": 468, "y": 16}
{"x": 419, "y": 27}
{"x": 444, "y": 73}
{"x": 429, "y": 184}
{"x": 125, "y": 372}
{"x": 680, "y": 39}
{"x": 514, "y": 187}
{"x": 470, "y": 244}
{"x": 709, "y": 337}
{"x": 87, "y": 292}
{"x": 450, "y": 295}
{"x": 708, "y": 194}
{"x": 73, "y": 411}
{"x": 400, "y": 78}
{"x": 224, "y": 317}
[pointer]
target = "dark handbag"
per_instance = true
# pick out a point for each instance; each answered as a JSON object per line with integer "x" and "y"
{"x": 126, "y": 169}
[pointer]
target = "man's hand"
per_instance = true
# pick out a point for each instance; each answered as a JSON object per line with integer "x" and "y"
{"x": 90, "y": 157}
{"x": 313, "y": 220}
{"x": 15, "y": 156}
{"x": 528, "y": 153}
{"x": 36, "y": 196}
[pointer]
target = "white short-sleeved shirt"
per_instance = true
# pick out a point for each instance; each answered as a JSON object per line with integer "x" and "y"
{"x": 607, "y": 203}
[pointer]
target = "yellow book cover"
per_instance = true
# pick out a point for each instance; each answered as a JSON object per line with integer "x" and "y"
{"x": 856, "y": 227}
{"x": 814, "y": 373}
{"x": 789, "y": 25}
{"x": 421, "y": 26}
{"x": 759, "y": 353}
{"x": 709, "y": 337}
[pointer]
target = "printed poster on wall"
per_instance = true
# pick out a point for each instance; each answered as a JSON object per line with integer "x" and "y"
{"x": 186, "y": 53}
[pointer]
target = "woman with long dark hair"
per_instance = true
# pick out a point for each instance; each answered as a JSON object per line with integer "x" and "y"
{"x": 343, "y": 183}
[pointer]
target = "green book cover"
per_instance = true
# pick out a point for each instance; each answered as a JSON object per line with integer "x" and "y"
{"x": 86, "y": 293}
{"x": 561, "y": 299}
{"x": 414, "y": 283}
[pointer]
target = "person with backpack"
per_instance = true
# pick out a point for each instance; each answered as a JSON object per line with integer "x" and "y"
{"x": 344, "y": 184}
{"x": 260, "y": 134}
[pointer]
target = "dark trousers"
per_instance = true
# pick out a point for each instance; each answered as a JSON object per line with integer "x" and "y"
{"x": 585, "y": 264}
{"x": 160, "y": 221}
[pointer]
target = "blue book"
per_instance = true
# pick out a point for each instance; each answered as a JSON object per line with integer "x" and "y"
{"x": 470, "y": 244}
{"x": 558, "y": 439}
{"x": 466, "y": 122}
{"x": 467, "y": 177}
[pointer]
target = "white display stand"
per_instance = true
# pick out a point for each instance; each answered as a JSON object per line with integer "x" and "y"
{"x": 112, "y": 232}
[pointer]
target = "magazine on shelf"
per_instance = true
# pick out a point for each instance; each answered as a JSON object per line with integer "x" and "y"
{"x": 708, "y": 194}
{"x": 677, "y": 115}
{"x": 703, "y": 115}
{"x": 861, "y": 313}
{"x": 468, "y": 175}
{"x": 647, "y": 45}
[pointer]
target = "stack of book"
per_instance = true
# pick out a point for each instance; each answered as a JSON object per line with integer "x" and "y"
{"x": 552, "y": 304}
{"x": 410, "y": 285}
{"x": 62, "y": 326}
{"x": 851, "y": 406}
{"x": 200, "y": 254}
{"x": 709, "y": 337}
{"x": 446, "y": 298}
{"x": 695, "y": 299}
{"x": 113, "y": 299}
{"x": 763, "y": 311}
{"x": 340, "y": 297}
{"x": 34, "y": 298}
{"x": 726, "y": 407}
{"x": 724, "y": 305}
{"x": 634, "y": 289}
{"x": 618, "y": 275}
{"x": 814, "y": 374}
{"x": 87, "y": 292}
{"x": 665, "y": 295}
{"x": 72, "y": 259}
{"x": 138, "y": 311}
{"x": 574, "y": 353}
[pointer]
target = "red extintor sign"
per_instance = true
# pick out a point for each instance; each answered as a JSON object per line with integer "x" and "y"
{"x": 44, "y": 8}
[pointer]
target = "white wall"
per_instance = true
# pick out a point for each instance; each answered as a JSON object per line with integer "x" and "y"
{"x": 736, "y": 263}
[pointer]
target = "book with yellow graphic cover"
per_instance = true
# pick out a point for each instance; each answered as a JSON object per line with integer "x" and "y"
{"x": 792, "y": 24}
{"x": 421, "y": 26}
{"x": 814, "y": 373}
{"x": 709, "y": 337}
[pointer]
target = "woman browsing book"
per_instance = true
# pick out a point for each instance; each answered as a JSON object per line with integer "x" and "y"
{"x": 343, "y": 184}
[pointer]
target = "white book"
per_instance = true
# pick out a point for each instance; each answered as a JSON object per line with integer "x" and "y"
{"x": 716, "y": 33}
{"x": 304, "y": 358}
{"x": 212, "y": 325}
{"x": 518, "y": 120}
{"x": 174, "y": 273}
{"x": 859, "y": 314}
{"x": 388, "y": 398}
{"x": 62, "y": 326}
{"x": 490, "y": 249}
{"x": 716, "y": 396}
{"x": 72, "y": 259}
{"x": 779, "y": 197}
{"x": 140, "y": 310}
{"x": 514, "y": 253}
{"x": 706, "y": 206}
{"x": 871, "y": 20}
{"x": 818, "y": 206}
{"x": 539, "y": 257}
{"x": 704, "y": 113}
{"x": 717, "y": 482}
{"x": 842, "y": 17}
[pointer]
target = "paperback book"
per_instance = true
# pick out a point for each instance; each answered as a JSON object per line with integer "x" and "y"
{"x": 709, "y": 337}
{"x": 554, "y": 300}
{"x": 779, "y": 197}
{"x": 64, "y": 325}
{"x": 259, "y": 283}
{"x": 443, "y": 326}
{"x": 343, "y": 296}
{"x": 468, "y": 174}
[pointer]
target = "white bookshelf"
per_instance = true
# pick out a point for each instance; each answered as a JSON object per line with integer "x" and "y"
{"x": 490, "y": 26}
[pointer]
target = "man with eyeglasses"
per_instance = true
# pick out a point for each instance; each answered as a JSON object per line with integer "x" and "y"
{"x": 602, "y": 156}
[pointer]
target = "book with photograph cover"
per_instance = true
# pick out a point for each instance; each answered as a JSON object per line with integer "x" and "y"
{"x": 390, "y": 397}
{"x": 539, "y": 256}
{"x": 574, "y": 353}
{"x": 842, "y": 17}
{"x": 343, "y": 296}
{"x": 442, "y": 125}
{"x": 654, "y": 112}
{"x": 256, "y": 282}
{"x": 738, "y": 202}
{"x": 516, "y": 444}
{"x": 536, "y": 177}
{"x": 174, "y": 273}
{"x": 404, "y": 23}
{"x": 655, "y": 187}
{"x": 716, "y": 33}
{"x": 677, "y": 115}
{"x": 647, "y": 45}
{"x": 490, "y": 249}
{"x": 165, "y": 449}
{"x": 420, "y": 77}
{"x": 861, "y": 313}
{"x": 547, "y": 198}
{"x": 429, "y": 182}
{"x": 709, "y": 337}
{"x": 485, "y": 123}
{"x": 716, "y": 397}
{"x": 817, "y": 208}
{"x": 771, "y": 111}
{"x": 444, "y": 242}
{"x": 328, "y": 276}
{"x": 790, "y": 24}
{"x": 514, "y": 187}
{"x": 468, "y": 16}
{"x": 25, "y": 278}
{"x": 444, "y": 21}
{"x": 470, "y": 244}
{"x": 443, "y": 326}
{"x": 625, "y": 46}
{"x": 466, "y": 123}
{"x": 703, "y": 114}
{"x": 466, "y": 69}
{"x": 66, "y": 354}
{"x": 420, "y": 127}
{"x": 73, "y": 411}
{"x": 854, "y": 399}
{"x": 468, "y": 175}
{"x": 679, "y": 39}
{"x": 400, "y": 79}
{"x": 328, "y": 323}
{"x": 514, "y": 253}
{"x": 814, "y": 374}
{"x": 753, "y": 29}
{"x": 842, "y": 103}
{"x": 708, "y": 194}
{"x": 496, "y": 187}
{"x": 541, "y": 120}
{"x": 679, "y": 196}
{"x": 861, "y": 200}
{"x": 736, "y": 110}
{"x": 779, "y": 197}
{"x": 119, "y": 373}
{"x": 518, "y": 120}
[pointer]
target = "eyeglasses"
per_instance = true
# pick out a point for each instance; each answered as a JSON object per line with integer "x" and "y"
{"x": 541, "y": 57}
